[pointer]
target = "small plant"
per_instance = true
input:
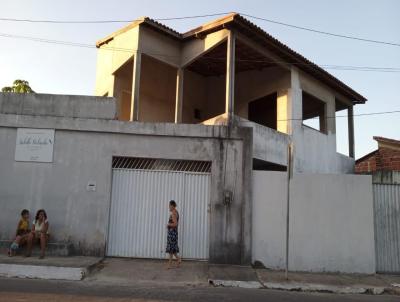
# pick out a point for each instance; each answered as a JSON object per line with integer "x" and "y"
{"x": 19, "y": 86}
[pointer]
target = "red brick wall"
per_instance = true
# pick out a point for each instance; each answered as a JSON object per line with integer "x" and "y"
{"x": 390, "y": 159}
{"x": 367, "y": 165}
{"x": 384, "y": 159}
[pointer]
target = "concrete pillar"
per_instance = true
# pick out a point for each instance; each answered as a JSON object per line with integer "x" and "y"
{"x": 350, "y": 121}
{"x": 179, "y": 96}
{"x": 283, "y": 112}
{"x": 295, "y": 102}
{"x": 230, "y": 76}
{"x": 328, "y": 118}
{"x": 289, "y": 106}
{"x": 135, "y": 86}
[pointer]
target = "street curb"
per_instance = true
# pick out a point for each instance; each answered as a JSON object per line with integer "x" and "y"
{"x": 43, "y": 272}
{"x": 307, "y": 287}
{"x": 46, "y": 272}
{"x": 234, "y": 283}
{"x": 314, "y": 287}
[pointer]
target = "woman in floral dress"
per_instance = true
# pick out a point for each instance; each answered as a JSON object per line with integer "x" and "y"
{"x": 172, "y": 237}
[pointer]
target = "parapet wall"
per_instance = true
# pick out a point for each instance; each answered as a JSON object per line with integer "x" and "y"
{"x": 73, "y": 106}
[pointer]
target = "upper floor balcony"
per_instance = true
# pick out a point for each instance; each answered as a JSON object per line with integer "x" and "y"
{"x": 233, "y": 73}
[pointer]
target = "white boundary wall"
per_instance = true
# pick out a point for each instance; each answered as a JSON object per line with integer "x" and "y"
{"x": 331, "y": 222}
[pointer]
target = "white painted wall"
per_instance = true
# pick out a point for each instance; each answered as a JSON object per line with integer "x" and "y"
{"x": 269, "y": 218}
{"x": 331, "y": 222}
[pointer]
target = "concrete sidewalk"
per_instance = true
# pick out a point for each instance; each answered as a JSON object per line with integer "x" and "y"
{"x": 59, "y": 268}
{"x": 194, "y": 273}
{"x": 329, "y": 282}
{"x": 126, "y": 271}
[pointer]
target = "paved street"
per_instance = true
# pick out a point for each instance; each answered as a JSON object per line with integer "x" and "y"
{"x": 41, "y": 290}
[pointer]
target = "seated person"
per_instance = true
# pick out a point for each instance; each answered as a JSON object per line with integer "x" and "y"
{"x": 22, "y": 233}
{"x": 39, "y": 233}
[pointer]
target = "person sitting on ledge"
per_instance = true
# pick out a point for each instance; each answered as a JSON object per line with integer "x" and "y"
{"x": 22, "y": 233}
{"x": 39, "y": 233}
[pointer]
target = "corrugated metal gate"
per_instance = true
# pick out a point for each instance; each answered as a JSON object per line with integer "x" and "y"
{"x": 387, "y": 227}
{"x": 141, "y": 190}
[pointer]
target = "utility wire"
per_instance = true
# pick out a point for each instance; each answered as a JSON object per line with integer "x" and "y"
{"x": 90, "y": 46}
{"x": 323, "y": 32}
{"x": 107, "y": 21}
{"x": 203, "y": 16}
{"x": 340, "y": 116}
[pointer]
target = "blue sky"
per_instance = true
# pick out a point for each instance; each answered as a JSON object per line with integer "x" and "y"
{"x": 69, "y": 70}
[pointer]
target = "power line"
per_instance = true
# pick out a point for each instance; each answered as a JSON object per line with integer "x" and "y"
{"x": 340, "y": 116}
{"x": 90, "y": 46}
{"x": 107, "y": 21}
{"x": 323, "y": 32}
{"x": 203, "y": 16}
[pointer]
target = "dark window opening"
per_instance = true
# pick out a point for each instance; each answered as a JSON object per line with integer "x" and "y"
{"x": 197, "y": 114}
{"x": 263, "y": 111}
{"x": 314, "y": 112}
{"x": 262, "y": 165}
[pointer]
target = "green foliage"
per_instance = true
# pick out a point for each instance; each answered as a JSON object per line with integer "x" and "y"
{"x": 19, "y": 86}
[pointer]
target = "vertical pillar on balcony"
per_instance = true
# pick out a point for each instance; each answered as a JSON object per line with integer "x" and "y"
{"x": 135, "y": 86}
{"x": 283, "y": 111}
{"x": 179, "y": 96}
{"x": 350, "y": 121}
{"x": 230, "y": 77}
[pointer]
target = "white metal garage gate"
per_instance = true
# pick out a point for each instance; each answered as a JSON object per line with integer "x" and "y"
{"x": 141, "y": 191}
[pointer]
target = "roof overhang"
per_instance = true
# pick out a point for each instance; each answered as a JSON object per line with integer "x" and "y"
{"x": 384, "y": 142}
{"x": 146, "y": 21}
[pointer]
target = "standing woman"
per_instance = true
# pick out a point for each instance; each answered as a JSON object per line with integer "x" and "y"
{"x": 172, "y": 237}
{"x": 40, "y": 232}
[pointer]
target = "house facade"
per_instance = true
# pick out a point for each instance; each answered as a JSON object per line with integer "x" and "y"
{"x": 204, "y": 118}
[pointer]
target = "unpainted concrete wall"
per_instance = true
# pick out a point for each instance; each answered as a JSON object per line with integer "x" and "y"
{"x": 83, "y": 153}
{"x": 194, "y": 96}
{"x": 157, "y": 91}
{"x": 254, "y": 84}
{"x": 73, "y": 106}
{"x": 268, "y": 144}
{"x": 113, "y": 55}
{"x": 159, "y": 46}
{"x": 314, "y": 151}
{"x": 331, "y": 222}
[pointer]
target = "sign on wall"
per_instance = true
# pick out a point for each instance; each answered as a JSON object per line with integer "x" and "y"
{"x": 34, "y": 145}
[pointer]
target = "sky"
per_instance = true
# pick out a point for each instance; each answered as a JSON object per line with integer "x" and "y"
{"x": 61, "y": 69}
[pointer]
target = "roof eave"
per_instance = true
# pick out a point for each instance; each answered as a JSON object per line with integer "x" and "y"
{"x": 297, "y": 59}
{"x": 141, "y": 21}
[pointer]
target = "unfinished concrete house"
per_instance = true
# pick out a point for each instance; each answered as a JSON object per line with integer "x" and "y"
{"x": 229, "y": 72}
{"x": 204, "y": 118}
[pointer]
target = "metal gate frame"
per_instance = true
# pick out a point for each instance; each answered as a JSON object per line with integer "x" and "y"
{"x": 387, "y": 227}
{"x": 185, "y": 167}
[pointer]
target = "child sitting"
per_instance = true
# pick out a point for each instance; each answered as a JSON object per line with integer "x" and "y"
{"x": 22, "y": 233}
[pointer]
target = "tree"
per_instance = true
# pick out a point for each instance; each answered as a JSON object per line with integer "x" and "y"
{"x": 19, "y": 86}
